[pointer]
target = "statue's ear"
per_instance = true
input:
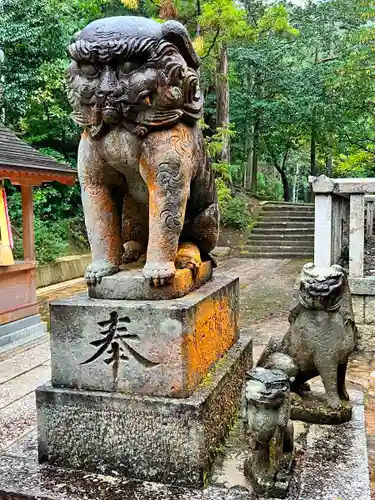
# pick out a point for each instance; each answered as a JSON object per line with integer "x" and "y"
{"x": 176, "y": 33}
{"x": 74, "y": 38}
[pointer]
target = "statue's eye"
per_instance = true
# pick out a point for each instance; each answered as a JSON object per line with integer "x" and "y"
{"x": 127, "y": 67}
{"x": 89, "y": 70}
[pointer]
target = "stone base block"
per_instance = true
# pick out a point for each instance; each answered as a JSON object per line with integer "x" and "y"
{"x": 130, "y": 284}
{"x": 155, "y": 439}
{"x": 21, "y": 331}
{"x": 312, "y": 408}
{"x": 332, "y": 463}
{"x": 265, "y": 486}
{"x": 155, "y": 348}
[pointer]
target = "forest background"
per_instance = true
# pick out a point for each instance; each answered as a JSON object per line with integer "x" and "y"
{"x": 289, "y": 92}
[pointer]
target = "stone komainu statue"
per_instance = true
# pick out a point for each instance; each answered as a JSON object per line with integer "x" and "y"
{"x": 266, "y": 415}
{"x": 321, "y": 336}
{"x": 144, "y": 172}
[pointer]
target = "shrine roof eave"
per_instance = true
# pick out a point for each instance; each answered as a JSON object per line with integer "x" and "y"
{"x": 22, "y": 175}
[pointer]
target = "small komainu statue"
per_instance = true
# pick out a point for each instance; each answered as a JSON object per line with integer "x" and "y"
{"x": 146, "y": 180}
{"x": 320, "y": 339}
{"x": 266, "y": 413}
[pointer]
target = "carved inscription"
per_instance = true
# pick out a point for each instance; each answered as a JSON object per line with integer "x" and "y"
{"x": 115, "y": 343}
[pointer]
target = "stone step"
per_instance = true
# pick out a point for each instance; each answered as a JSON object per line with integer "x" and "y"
{"x": 279, "y": 243}
{"x": 280, "y": 218}
{"x": 288, "y": 209}
{"x": 277, "y": 254}
{"x": 285, "y": 224}
{"x": 288, "y": 213}
{"x": 289, "y": 206}
{"x": 281, "y": 248}
{"x": 282, "y": 230}
{"x": 281, "y": 235}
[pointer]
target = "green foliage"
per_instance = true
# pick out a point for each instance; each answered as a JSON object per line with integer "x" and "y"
{"x": 235, "y": 213}
{"x": 297, "y": 77}
{"x": 234, "y": 210}
{"x": 57, "y": 227}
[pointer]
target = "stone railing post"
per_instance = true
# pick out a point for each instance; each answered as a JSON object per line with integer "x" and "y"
{"x": 369, "y": 200}
{"x": 323, "y": 230}
{"x": 356, "y": 235}
{"x": 339, "y": 204}
{"x": 322, "y": 187}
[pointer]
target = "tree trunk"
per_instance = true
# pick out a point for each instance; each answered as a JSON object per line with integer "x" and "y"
{"x": 222, "y": 97}
{"x": 295, "y": 180}
{"x": 284, "y": 180}
{"x": 313, "y": 167}
{"x": 254, "y": 167}
{"x": 329, "y": 163}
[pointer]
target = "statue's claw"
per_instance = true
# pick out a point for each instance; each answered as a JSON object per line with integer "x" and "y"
{"x": 160, "y": 273}
{"x": 97, "y": 270}
{"x": 334, "y": 402}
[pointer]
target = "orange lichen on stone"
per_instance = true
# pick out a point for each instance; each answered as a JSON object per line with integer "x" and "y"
{"x": 214, "y": 332}
{"x": 188, "y": 256}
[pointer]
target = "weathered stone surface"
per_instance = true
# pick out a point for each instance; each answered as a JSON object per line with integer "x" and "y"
{"x": 362, "y": 286}
{"x": 141, "y": 149}
{"x": 336, "y": 464}
{"x": 323, "y": 230}
{"x": 161, "y": 348}
{"x": 266, "y": 408}
{"x": 312, "y": 408}
{"x": 331, "y": 460}
{"x": 160, "y": 439}
{"x": 130, "y": 284}
{"x": 358, "y": 308}
{"x": 366, "y": 342}
{"x": 324, "y": 184}
{"x": 369, "y": 310}
{"x": 21, "y": 331}
{"x": 321, "y": 336}
{"x": 221, "y": 252}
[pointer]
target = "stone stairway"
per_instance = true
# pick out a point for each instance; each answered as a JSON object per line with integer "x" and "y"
{"x": 283, "y": 230}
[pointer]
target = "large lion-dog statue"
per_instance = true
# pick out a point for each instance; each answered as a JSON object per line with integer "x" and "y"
{"x": 146, "y": 180}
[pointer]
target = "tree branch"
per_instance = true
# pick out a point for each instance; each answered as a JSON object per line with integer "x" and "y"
{"x": 213, "y": 43}
{"x": 356, "y": 143}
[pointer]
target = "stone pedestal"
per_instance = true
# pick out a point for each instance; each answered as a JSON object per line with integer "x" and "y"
{"x": 156, "y": 348}
{"x": 150, "y": 438}
{"x": 146, "y": 388}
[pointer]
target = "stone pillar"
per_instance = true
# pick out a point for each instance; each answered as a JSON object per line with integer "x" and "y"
{"x": 323, "y": 230}
{"x": 356, "y": 235}
{"x": 337, "y": 227}
{"x": 369, "y": 217}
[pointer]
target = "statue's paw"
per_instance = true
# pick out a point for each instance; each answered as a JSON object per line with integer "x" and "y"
{"x": 344, "y": 396}
{"x": 334, "y": 402}
{"x": 132, "y": 251}
{"x": 188, "y": 257}
{"x": 97, "y": 270}
{"x": 160, "y": 273}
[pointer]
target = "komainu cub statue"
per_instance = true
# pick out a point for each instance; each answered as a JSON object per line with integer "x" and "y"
{"x": 321, "y": 336}
{"x": 146, "y": 180}
{"x": 266, "y": 414}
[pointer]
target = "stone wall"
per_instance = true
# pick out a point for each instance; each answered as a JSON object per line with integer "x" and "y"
{"x": 64, "y": 269}
{"x": 364, "y": 313}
